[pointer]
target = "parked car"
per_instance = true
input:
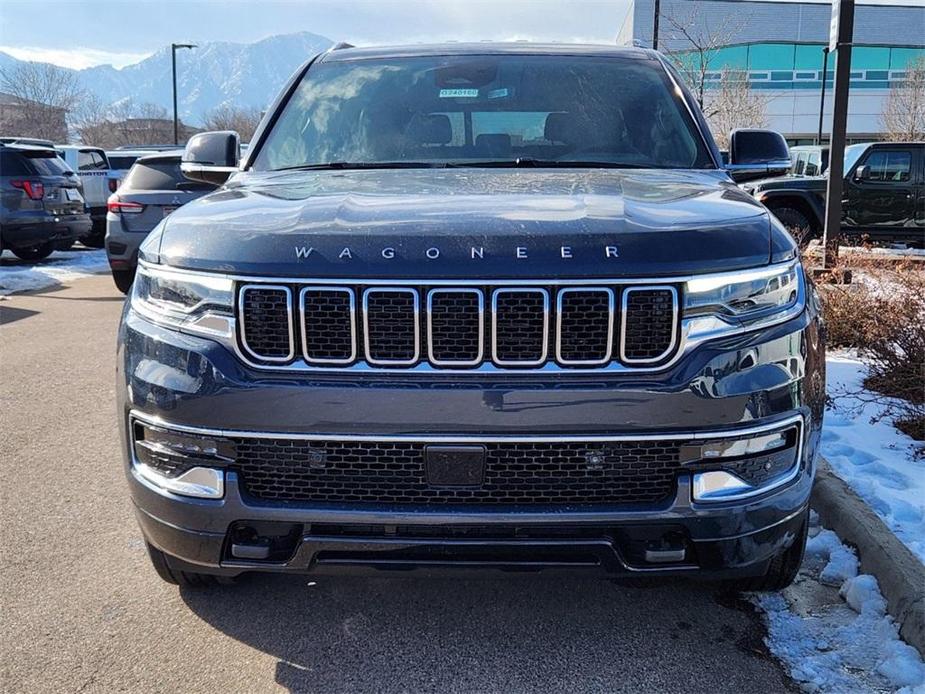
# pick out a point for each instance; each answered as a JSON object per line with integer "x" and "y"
{"x": 493, "y": 306}
{"x": 92, "y": 167}
{"x": 883, "y": 195}
{"x": 34, "y": 141}
{"x": 809, "y": 160}
{"x": 120, "y": 161}
{"x": 41, "y": 208}
{"x": 154, "y": 188}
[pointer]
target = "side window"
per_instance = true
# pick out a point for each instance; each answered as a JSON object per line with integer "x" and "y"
{"x": 812, "y": 164}
{"x": 889, "y": 166}
{"x": 85, "y": 161}
{"x": 99, "y": 161}
{"x": 799, "y": 164}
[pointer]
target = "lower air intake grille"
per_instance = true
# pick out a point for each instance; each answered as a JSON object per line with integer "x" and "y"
{"x": 266, "y": 322}
{"x": 515, "y": 473}
{"x": 650, "y": 324}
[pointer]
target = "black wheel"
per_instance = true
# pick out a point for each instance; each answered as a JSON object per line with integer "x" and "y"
{"x": 188, "y": 579}
{"x": 39, "y": 252}
{"x": 123, "y": 280}
{"x": 784, "y": 567}
{"x": 797, "y": 223}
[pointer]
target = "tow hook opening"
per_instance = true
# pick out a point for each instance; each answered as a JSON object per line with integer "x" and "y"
{"x": 268, "y": 541}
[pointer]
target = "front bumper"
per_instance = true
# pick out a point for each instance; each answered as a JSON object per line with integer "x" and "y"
{"x": 738, "y": 383}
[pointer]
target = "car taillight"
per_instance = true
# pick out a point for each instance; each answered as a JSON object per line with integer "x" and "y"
{"x": 34, "y": 189}
{"x": 114, "y": 204}
{"x": 113, "y": 185}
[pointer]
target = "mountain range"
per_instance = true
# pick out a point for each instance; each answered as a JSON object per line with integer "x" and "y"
{"x": 213, "y": 74}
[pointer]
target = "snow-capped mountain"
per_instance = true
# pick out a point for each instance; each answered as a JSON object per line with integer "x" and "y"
{"x": 213, "y": 74}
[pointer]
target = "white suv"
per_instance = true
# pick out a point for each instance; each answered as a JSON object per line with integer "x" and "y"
{"x": 92, "y": 167}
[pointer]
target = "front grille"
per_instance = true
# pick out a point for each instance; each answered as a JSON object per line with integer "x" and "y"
{"x": 618, "y": 472}
{"x": 459, "y": 327}
{"x": 649, "y": 323}
{"x": 266, "y": 322}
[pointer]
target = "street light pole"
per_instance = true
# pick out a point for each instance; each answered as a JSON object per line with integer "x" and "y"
{"x": 655, "y": 27}
{"x": 825, "y": 72}
{"x": 173, "y": 63}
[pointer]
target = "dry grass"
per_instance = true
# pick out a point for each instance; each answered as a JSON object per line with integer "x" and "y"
{"x": 882, "y": 315}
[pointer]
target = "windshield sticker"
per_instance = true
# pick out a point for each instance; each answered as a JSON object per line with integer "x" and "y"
{"x": 499, "y": 93}
{"x": 459, "y": 93}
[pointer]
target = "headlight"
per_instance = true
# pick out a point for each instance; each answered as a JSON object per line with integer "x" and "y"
{"x": 745, "y": 300}
{"x": 197, "y": 303}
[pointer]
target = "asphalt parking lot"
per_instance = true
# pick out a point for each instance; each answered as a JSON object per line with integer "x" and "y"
{"x": 83, "y": 610}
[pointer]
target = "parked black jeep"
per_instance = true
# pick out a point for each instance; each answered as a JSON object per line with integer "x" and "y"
{"x": 474, "y": 306}
{"x": 883, "y": 197}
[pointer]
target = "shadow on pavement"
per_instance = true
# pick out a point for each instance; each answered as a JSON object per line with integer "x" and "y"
{"x": 519, "y": 634}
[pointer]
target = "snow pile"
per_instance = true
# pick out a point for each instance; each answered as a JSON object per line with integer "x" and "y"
{"x": 61, "y": 266}
{"x": 876, "y": 460}
{"x": 833, "y": 646}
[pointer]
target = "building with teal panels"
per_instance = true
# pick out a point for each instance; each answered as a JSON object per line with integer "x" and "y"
{"x": 778, "y": 45}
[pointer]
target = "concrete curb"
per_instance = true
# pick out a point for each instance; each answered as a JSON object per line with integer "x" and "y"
{"x": 898, "y": 571}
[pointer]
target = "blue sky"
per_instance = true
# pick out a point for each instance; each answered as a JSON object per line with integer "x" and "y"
{"x": 79, "y": 33}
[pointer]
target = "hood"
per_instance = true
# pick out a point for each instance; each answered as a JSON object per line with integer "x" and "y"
{"x": 470, "y": 223}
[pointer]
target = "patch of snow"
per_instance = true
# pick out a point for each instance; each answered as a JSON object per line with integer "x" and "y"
{"x": 61, "y": 266}
{"x": 875, "y": 459}
{"x": 835, "y": 640}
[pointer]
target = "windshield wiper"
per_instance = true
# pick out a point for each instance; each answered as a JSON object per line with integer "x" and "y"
{"x": 530, "y": 162}
{"x": 336, "y": 165}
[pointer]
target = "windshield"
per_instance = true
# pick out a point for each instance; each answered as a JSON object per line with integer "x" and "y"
{"x": 477, "y": 110}
{"x": 852, "y": 154}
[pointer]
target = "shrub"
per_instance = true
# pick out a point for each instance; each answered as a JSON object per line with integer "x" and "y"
{"x": 882, "y": 315}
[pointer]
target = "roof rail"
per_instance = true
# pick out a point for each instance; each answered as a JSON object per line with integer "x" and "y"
{"x": 340, "y": 45}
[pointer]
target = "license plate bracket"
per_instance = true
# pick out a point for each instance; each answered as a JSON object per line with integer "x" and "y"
{"x": 455, "y": 466}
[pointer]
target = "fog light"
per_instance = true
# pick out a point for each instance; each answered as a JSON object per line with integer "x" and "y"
{"x": 201, "y": 482}
{"x": 182, "y": 463}
{"x": 716, "y": 485}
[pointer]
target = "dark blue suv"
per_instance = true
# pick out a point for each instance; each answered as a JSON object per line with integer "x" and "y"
{"x": 490, "y": 306}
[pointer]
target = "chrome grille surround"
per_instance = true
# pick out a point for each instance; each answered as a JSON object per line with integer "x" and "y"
{"x": 242, "y": 294}
{"x": 560, "y": 304}
{"x": 416, "y": 330}
{"x": 496, "y": 347}
{"x": 627, "y": 292}
{"x": 303, "y": 319}
{"x": 564, "y": 303}
{"x": 480, "y": 356}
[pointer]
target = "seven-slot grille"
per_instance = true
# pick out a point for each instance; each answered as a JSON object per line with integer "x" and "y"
{"x": 515, "y": 472}
{"x": 459, "y": 327}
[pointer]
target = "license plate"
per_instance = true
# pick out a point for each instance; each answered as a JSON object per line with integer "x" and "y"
{"x": 169, "y": 209}
{"x": 72, "y": 194}
{"x": 454, "y": 466}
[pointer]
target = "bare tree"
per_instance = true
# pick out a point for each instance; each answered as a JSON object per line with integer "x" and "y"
{"x": 694, "y": 45}
{"x": 43, "y": 94}
{"x": 242, "y": 119}
{"x": 727, "y": 102}
{"x": 127, "y": 123}
{"x": 903, "y": 117}
{"x": 734, "y": 104}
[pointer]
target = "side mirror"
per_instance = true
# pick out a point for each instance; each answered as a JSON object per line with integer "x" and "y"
{"x": 211, "y": 157}
{"x": 862, "y": 173}
{"x": 757, "y": 154}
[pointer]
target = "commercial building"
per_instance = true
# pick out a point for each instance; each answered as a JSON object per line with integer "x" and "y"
{"x": 779, "y": 45}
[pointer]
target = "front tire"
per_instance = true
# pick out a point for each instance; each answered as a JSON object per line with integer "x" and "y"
{"x": 783, "y": 568}
{"x": 798, "y": 224}
{"x": 33, "y": 253}
{"x": 185, "y": 579}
